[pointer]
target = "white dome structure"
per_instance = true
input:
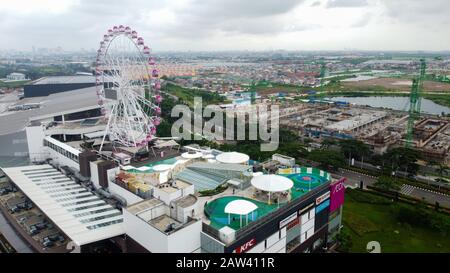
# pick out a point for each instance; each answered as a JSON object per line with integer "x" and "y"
{"x": 272, "y": 183}
{"x": 232, "y": 158}
{"x": 240, "y": 207}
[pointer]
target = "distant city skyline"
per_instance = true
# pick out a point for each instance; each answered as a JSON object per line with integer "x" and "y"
{"x": 222, "y": 25}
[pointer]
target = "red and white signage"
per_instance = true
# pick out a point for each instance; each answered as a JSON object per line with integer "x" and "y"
{"x": 288, "y": 219}
{"x": 322, "y": 198}
{"x": 246, "y": 247}
{"x": 293, "y": 223}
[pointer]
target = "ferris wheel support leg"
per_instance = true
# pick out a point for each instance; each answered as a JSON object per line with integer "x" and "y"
{"x": 107, "y": 129}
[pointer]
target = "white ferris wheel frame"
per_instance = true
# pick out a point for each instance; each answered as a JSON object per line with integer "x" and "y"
{"x": 130, "y": 120}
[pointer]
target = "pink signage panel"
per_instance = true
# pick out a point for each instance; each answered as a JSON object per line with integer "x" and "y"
{"x": 337, "y": 192}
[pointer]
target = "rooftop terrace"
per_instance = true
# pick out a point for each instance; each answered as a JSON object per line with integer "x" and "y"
{"x": 304, "y": 179}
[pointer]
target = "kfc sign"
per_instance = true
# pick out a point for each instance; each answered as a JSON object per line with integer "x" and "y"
{"x": 337, "y": 195}
{"x": 246, "y": 247}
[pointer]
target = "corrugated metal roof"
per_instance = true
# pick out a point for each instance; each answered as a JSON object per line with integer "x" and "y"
{"x": 80, "y": 214}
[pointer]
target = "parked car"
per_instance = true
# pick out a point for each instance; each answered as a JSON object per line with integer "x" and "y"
{"x": 16, "y": 209}
{"x": 47, "y": 243}
{"x": 4, "y": 191}
{"x": 33, "y": 230}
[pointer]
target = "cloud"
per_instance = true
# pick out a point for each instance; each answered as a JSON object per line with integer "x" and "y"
{"x": 346, "y": 3}
{"x": 228, "y": 24}
{"x": 229, "y": 9}
{"x": 418, "y": 11}
{"x": 363, "y": 21}
{"x": 207, "y": 19}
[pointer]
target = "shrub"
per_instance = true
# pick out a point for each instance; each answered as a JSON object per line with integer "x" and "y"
{"x": 367, "y": 197}
{"x": 345, "y": 241}
{"x": 420, "y": 216}
{"x": 219, "y": 189}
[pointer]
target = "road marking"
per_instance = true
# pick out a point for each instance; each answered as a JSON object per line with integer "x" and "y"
{"x": 358, "y": 173}
{"x": 408, "y": 189}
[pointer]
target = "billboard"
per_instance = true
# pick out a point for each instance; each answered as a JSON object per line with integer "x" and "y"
{"x": 322, "y": 198}
{"x": 288, "y": 219}
{"x": 322, "y": 206}
{"x": 286, "y": 171}
{"x": 337, "y": 192}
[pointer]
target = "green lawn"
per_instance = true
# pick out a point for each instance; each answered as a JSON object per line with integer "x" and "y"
{"x": 366, "y": 222}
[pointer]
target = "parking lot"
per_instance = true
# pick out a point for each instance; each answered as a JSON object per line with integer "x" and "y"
{"x": 29, "y": 221}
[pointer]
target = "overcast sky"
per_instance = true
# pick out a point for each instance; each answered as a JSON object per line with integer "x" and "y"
{"x": 230, "y": 24}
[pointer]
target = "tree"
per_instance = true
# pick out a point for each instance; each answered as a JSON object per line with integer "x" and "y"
{"x": 345, "y": 241}
{"x": 329, "y": 160}
{"x": 403, "y": 158}
{"x": 354, "y": 148}
{"x": 387, "y": 183}
{"x": 326, "y": 143}
{"x": 293, "y": 149}
{"x": 442, "y": 169}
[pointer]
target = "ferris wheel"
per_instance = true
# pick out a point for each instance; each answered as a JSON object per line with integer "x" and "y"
{"x": 127, "y": 86}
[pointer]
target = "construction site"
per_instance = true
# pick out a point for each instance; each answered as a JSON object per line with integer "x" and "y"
{"x": 380, "y": 128}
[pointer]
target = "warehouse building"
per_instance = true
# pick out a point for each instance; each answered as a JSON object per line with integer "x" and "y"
{"x": 57, "y": 84}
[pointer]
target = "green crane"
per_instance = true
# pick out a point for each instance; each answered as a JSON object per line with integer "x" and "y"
{"x": 415, "y": 101}
{"x": 253, "y": 88}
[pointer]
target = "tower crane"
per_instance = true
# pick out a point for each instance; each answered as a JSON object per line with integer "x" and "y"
{"x": 415, "y": 99}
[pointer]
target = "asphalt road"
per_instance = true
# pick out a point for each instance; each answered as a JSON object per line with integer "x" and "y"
{"x": 354, "y": 178}
{"x": 429, "y": 196}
